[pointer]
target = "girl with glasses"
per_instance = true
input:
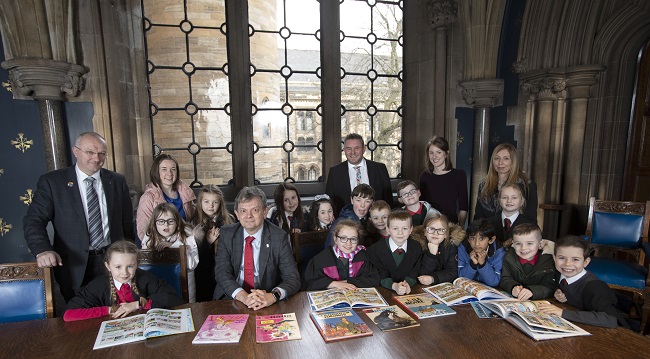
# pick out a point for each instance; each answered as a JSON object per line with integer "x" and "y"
{"x": 166, "y": 229}
{"x": 344, "y": 265}
{"x": 440, "y": 243}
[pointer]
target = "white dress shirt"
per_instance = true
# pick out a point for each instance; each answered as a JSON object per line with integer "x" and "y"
{"x": 103, "y": 208}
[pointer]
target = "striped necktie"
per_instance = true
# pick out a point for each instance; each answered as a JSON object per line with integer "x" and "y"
{"x": 358, "y": 168}
{"x": 94, "y": 215}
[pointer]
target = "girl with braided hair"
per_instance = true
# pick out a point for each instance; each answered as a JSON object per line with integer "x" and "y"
{"x": 124, "y": 290}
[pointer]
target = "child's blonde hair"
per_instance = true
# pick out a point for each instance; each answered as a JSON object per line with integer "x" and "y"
{"x": 202, "y": 219}
{"x": 455, "y": 233}
{"x": 515, "y": 187}
{"x": 350, "y": 223}
{"x": 123, "y": 247}
{"x": 152, "y": 230}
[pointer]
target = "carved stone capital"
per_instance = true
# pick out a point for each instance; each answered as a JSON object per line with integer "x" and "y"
{"x": 482, "y": 93}
{"x": 45, "y": 79}
{"x": 520, "y": 67}
{"x": 580, "y": 79}
{"x": 544, "y": 87}
{"x": 442, "y": 12}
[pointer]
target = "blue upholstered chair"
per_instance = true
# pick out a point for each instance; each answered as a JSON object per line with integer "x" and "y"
{"x": 618, "y": 231}
{"x": 25, "y": 292}
{"x": 306, "y": 245}
{"x": 170, "y": 265}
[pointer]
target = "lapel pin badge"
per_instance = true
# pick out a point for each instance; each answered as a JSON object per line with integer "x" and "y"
{"x": 70, "y": 184}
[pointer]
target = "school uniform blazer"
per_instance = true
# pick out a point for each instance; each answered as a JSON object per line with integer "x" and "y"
{"x": 338, "y": 183}
{"x": 325, "y": 268}
{"x": 500, "y": 232}
{"x": 540, "y": 280}
{"x": 97, "y": 293}
{"x": 277, "y": 266}
{"x": 57, "y": 200}
{"x": 382, "y": 258}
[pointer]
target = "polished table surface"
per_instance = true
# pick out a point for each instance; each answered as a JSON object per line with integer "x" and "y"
{"x": 462, "y": 335}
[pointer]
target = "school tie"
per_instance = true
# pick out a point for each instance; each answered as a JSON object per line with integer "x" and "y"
{"x": 290, "y": 221}
{"x": 94, "y": 215}
{"x": 506, "y": 224}
{"x": 249, "y": 265}
{"x": 564, "y": 282}
{"x": 358, "y": 169}
{"x": 124, "y": 294}
{"x": 399, "y": 251}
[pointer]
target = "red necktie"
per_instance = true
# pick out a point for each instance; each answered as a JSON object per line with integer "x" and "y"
{"x": 124, "y": 295}
{"x": 290, "y": 221}
{"x": 506, "y": 224}
{"x": 399, "y": 251}
{"x": 249, "y": 265}
{"x": 564, "y": 282}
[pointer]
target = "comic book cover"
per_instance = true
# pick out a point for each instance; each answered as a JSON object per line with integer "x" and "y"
{"x": 276, "y": 327}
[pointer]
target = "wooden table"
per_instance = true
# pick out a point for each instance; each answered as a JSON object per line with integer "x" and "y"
{"x": 462, "y": 335}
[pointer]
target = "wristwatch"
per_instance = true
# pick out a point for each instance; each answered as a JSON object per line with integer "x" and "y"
{"x": 276, "y": 293}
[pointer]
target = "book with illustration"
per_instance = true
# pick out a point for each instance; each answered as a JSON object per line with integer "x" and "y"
{"x": 464, "y": 290}
{"x": 276, "y": 328}
{"x": 340, "y": 324}
{"x": 482, "y": 311}
{"x": 423, "y": 305}
{"x": 525, "y": 316}
{"x": 156, "y": 323}
{"x": 390, "y": 318}
{"x": 221, "y": 328}
{"x": 339, "y": 299}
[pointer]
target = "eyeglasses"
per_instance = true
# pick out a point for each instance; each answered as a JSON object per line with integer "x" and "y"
{"x": 162, "y": 222}
{"x": 409, "y": 193}
{"x": 352, "y": 240}
{"x": 432, "y": 230}
{"x": 92, "y": 154}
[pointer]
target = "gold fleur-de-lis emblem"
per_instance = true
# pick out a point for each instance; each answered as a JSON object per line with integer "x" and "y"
{"x": 4, "y": 227}
{"x": 459, "y": 138}
{"x": 2, "y": 171}
{"x": 22, "y": 143}
{"x": 27, "y": 197}
{"x": 7, "y": 86}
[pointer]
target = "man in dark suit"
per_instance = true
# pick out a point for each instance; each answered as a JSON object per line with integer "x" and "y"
{"x": 343, "y": 177}
{"x": 254, "y": 261}
{"x": 65, "y": 197}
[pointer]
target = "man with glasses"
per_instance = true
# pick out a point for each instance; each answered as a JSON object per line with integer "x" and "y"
{"x": 344, "y": 177}
{"x": 254, "y": 261}
{"x": 89, "y": 208}
{"x": 408, "y": 194}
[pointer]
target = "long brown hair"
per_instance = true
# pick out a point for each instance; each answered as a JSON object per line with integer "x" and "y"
{"x": 443, "y": 145}
{"x": 516, "y": 175}
{"x": 154, "y": 173}
{"x": 123, "y": 247}
{"x": 278, "y": 196}
{"x": 201, "y": 218}
{"x": 152, "y": 230}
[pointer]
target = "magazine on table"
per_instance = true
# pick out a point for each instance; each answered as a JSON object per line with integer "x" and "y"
{"x": 423, "y": 305}
{"x": 221, "y": 328}
{"x": 340, "y": 299}
{"x": 340, "y": 324}
{"x": 390, "y": 318}
{"x": 525, "y": 316}
{"x": 276, "y": 328}
{"x": 464, "y": 290}
{"x": 156, "y": 323}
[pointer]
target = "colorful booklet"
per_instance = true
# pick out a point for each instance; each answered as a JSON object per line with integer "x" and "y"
{"x": 463, "y": 291}
{"x": 276, "y": 328}
{"x": 390, "y": 318}
{"x": 224, "y": 328}
{"x": 423, "y": 305}
{"x": 525, "y": 316}
{"x": 340, "y": 299}
{"x": 340, "y": 324}
{"x": 156, "y": 323}
{"x": 482, "y": 311}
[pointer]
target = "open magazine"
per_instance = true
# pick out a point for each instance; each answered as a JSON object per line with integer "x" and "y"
{"x": 525, "y": 316}
{"x": 340, "y": 299}
{"x": 156, "y": 323}
{"x": 463, "y": 291}
{"x": 423, "y": 305}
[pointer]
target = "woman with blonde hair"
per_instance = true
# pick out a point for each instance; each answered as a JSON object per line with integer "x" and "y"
{"x": 504, "y": 170}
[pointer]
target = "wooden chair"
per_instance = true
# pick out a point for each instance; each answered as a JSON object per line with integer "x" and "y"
{"x": 306, "y": 245}
{"x": 170, "y": 265}
{"x": 25, "y": 292}
{"x": 618, "y": 231}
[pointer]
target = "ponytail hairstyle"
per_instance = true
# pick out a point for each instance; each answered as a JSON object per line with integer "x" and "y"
{"x": 152, "y": 231}
{"x": 123, "y": 247}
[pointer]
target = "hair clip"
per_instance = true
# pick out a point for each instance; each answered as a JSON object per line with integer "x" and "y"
{"x": 318, "y": 197}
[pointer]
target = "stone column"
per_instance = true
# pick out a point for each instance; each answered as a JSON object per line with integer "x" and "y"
{"x": 482, "y": 95}
{"x": 47, "y": 81}
{"x": 442, "y": 13}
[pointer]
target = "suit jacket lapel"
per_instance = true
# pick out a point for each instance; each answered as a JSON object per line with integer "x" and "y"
{"x": 71, "y": 179}
{"x": 109, "y": 191}
{"x": 265, "y": 251}
{"x": 388, "y": 258}
{"x": 237, "y": 249}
